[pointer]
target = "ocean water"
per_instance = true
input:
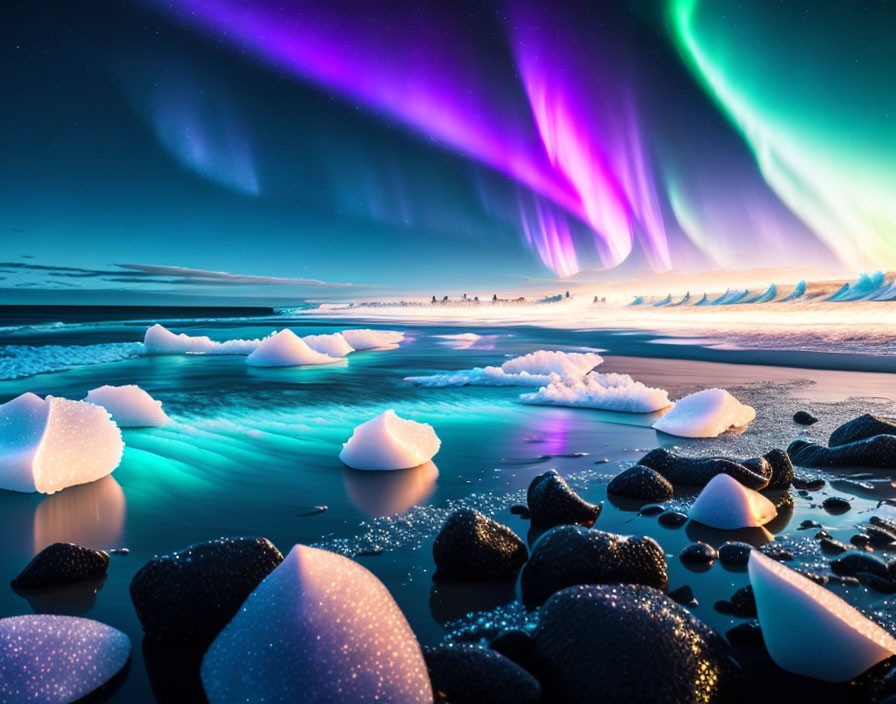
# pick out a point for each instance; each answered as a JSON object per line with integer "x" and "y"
{"x": 254, "y": 452}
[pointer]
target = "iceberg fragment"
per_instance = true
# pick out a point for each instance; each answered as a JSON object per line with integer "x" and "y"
{"x": 705, "y": 414}
{"x": 333, "y": 344}
{"x": 50, "y": 444}
{"x": 553, "y": 362}
{"x": 390, "y": 442}
{"x": 609, "y": 392}
{"x": 160, "y": 340}
{"x": 363, "y": 339}
{"x": 811, "y": 631}
{"x": 534, "y": 369}
{"x": 286, "y": 349}
{"x": 56, "y": 659}
{"x": 320, "y": 627}
{"x": 727, "y": 504}
{"x": 130, "y": 406}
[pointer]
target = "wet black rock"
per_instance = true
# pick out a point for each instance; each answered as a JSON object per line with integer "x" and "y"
{"x": 521, "y": 511}
{"x": 190, "y": 595}
{"x": 734, "y": 554}
{"x": 807, "y": 524}
{"x": 833, "y": 547}
{"x": 641, "y": 482}
{"x": 629, "y": 643}
{"x": 553, "y": 503}
{"x": 570, "y": 555}
{"x": 516, "y": 645}
{"x": 463, "y": 673}
{"x": 804, "y": 418}
{"x": 853, "y": 563}
{"x": 684, "y": 471}
{"x": 724, "y": 607}
{"x": 877, "y": 451}
{"x": 777, "y": 552}
{"x": 699, "y": 553}
{"x": 805, "y": 483}
{"x": 684, "y": 595}
{"x": 61, "y": 564}
{"x": 781, "y": 469}
{"x": 748, "y": 633}
{"x": 881, "y": 584}
{"x": 861, "y": 428}
{"x": 743, "y": 603}
{"x": 882, "y": 532}
{"x": 861, "y": 541}
{"x": 836, "y": 505}
{"x": 822, "y": 534}
{"x": 472, "y": 546}
{"x": 651, "y": 510}
{"x": 672, "y": 519}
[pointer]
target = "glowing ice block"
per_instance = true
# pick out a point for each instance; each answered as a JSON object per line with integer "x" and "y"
{"x": 321, "y": 628}
{"x": 55, "y": 659}
{"x": 705, "y": 414}
{"x": 811, "y": 631}
{"x": 553, "y": 362}
{"x": 390, "y": 442}
{"x": 333, "y": 344}
{"x": 50, "y": 444}
{"x": 159, "y": 340}
{"x": 130, "y": 406}
{"x": 286, "y": 349}
{"x": 610, "y": 392}
{"x": 727, "y": 504}
{"x": 363, "y": 339}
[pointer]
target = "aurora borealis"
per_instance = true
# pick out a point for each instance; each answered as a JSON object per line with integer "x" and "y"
{"x": 408, "y": 145}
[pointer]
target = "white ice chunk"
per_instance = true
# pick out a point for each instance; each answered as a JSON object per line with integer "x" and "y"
{"x": 159, "y": 340}
{"x": 609, "y": 392}
{"x": 322, "y": 628}
{"x": 390, "y": 442}
{"x": 50, "y": 444}
{"x": 333, "y": 344}
{"x": 705, "y": 414}
{"x": 545, "y": 362}
{"x": 727, "y": 504}
{"x": 363, "y": 339}
{"x": 130, "y": 406}
{"x": 55, "y": 659}
{"x": 286, "y": 349}
{"x": 535, "y": 369}
{"x": 811, "y": 631}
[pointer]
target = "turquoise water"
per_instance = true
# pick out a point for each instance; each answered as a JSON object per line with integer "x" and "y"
{"x": 255, "y": 452}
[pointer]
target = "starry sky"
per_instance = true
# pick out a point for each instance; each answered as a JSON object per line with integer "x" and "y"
{"x": 262, "y": 150}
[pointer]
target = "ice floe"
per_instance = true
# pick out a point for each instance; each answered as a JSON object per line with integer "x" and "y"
{"x": 610, "y": 392}
{"x": 50, "y": 444}
{"x": 390, "y": 442}
{"x": 55, "y": 659}
{"x": 130, "y": 406}
{"x": 811, "y": 631}
{"x": 705, "y": 414}
{"x": 160, "y": 340}
{"x": 534, "y": 369}
{"x": 727, "y": 504}
{"x": 286, "y": 349}
{"x": 333, "y": 344}
{"x": 363, "y": 339}
{"x": 320, "y": 627}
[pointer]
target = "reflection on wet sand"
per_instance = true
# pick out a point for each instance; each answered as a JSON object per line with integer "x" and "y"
{"x": 383, "y": 493}
{"x": 88, "y": 514}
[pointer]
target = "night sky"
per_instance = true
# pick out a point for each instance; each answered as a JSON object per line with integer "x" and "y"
{"x": 329, "y": 149}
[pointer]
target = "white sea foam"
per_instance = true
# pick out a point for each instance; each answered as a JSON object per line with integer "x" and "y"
{"x": 20, "y": 361}
{"x": 609, "y": 392}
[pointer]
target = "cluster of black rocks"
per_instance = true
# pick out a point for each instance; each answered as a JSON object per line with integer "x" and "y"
{"x": 866, "y": 441}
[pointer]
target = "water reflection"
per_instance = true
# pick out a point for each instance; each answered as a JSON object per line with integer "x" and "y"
{"x": 387, "y": 492}
{"x": 451, "y": 600}
{"x": 88, "y": 514}
{"x": 69, "y": 600}
{"x": 714, "y": 536}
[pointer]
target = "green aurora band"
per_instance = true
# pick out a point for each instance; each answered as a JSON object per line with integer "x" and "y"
{"x": 813, "y": 93}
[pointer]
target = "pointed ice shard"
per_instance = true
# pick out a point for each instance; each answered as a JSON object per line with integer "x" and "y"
{"x": 390, "y": 442}
{"x": 286, "y": 349}
{"x": 705, "y": 414}
{"x": 130, "y": 406}
{"x": 727, "y": 504}
{"x": 334, "y": 344}
{"x": 810, "y": 630}
{"x": 321, "y": 628}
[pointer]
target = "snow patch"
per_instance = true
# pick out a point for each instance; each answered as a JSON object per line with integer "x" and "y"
{"x": 286, "y": 349}
{"x": 609, "y": 392}
{"x": 130, "y": 406}
{"x": 390, "y": 442}
{"x": 705, "y": 414}
{"x": 727, "y": 504}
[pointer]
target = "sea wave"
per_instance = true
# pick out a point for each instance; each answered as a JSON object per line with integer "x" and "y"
{"x": 19, "y": 361}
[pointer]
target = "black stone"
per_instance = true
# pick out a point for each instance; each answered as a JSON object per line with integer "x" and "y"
{"x": 651, "y": 510}
{"x": 878, "y": 451}
{"x": 748, "y": 633}
{"x": 807, "y": 524}
{"x": 684, "y": 471}
{"x": 553, "y": 503}
{"x": 852, "y": 563}
{"x": 60, "y": 564}
{"x": 673, "y": 519}
{"x": 724, "y": 607}
{"x": 861, "y": 428}
{"x": 833, "y": 547}
{"x": 734, "y": 554}
{"x": 836, "y": 505}
{"x": 879, "y": 537}
{"x": 884, "y": 585}
{"x": 472, "y": 546}
{"x": 521, "y": 511}
{"x": 629, "y": 643}
{"x": 570, "y": 555}
{"x": 516, "y": 645}
{"x": 804, "y": 418}
{"x": 684, "y": 595}
{"x": 777, "y": 552}
{"x": 743, "y": 603}
{"x": 641, "y": 482}
{"x": 781, "y": 469}
{"x": 463, "y": 673}
{"x": 699, "y": 553}
{"x": 190, "y": 595}
{"x": 860, "y": 540}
